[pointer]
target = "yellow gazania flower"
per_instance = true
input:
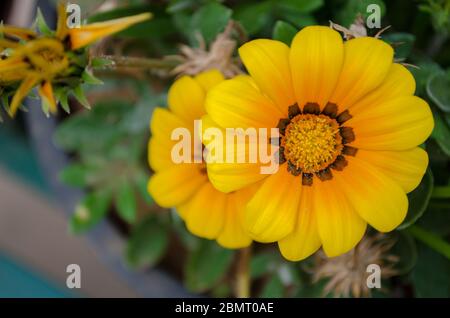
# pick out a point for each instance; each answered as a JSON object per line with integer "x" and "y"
{"x": 350, "y": 129}
{"x": 40, "y": 59}
{"x": 207, "y": 212}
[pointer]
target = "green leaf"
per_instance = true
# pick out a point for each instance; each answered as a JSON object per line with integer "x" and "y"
{"x": 431, "y": 276}
{"x": 302, "y": 6}
{"x": 42, "y": 24}
{"x": 406, "y": 250}
{"x": 126, "y": 202}
{"x": 75, "y": 175}
{"x": 61, "y": 95}
{"x": 347, "y": 15}
{"x": 80, "y": 97}
{"x": 253, "y": 17}
{"x": 89, "y": 78}
{"x": 438, "y": 89}
{"x": 78, "y": 131}
{"x": 182, "y": 22}
{"x": 401, "y": 42}
{"x": 284, "y": 32}
{"x": 261, "y": 264}
{"x": 274, "y": 288}
{"x": 206, "y": 265}
{"x": 441, "y": 133}
{"x": 423, "y": 73}
{"x": 299, "y": 20}
{"x": 210, "y": 20}
{"x": 91, "y": 210}
{"x": 418, "y": 200}
{"x": 437, "y": 218}
{"x": 45, "y": 106}
{"x": 141, "y": 181}
{"x": 179, "y": 5}
{"x": 100, "y": 62}
{"x": 147, "y": 244}
{"x": 221, "y": 291}
{"x": 433, "y": 241}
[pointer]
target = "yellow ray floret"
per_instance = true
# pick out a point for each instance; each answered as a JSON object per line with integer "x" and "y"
{"x": 21, "y": 33}
{"x": 25, "y": 86}
{"x": 87, "y": 34}
{"x": 45, "y": 91}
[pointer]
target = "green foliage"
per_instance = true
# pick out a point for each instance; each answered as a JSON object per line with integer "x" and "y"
{"x": 431, "y": 275}
{"x": 90, "y": 211}
{"x": 206, "y": 265}
{"x": 110, "y": 152}
{"x": 210, "y": 20}
{"x": 42, "y": 24}
{"x": 126, "y": 202}
{"x": 406, "y": 251}
{"x": 441, "y": 132}
{"x": 440, "y": 14}
{"x": 418, "y": 200}
{"x": 348, "y": 13}
{"x": 148, "y": 243}
{"x": 402, "y": 42}
{"x": 438, "y": 90}
{"x": 274, "y": 288}
{"x": 284, "y": 32}
{"x": 259, "y": 16}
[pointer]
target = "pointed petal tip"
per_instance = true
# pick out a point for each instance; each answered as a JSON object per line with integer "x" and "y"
{"x": 87, "y": 34}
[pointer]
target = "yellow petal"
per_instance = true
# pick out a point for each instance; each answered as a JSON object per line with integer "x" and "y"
{"x": 267, "y": 61}
{"x": 316, "y": 58}
{"x": 366, "y": 63}
{"x": 61, "y": 26}
{"x": 209, "y": 79}
{"x": 25, "y": 87}
{"x": 45, "y": 90}
{"x": 174, "y": 186}
{"x": 163, "y": 122}
{"x": 339, "y": 225}
{"x": 228, "y": 177}
{"x": 378, "y": 199}
{"x": 12, "y": 69}
{"x": 304, "y": 239}
{"x": 398, "y": 82}
{"x": 205, "y": 212}
{"x": 233, "y": 234}
{"x": 270, "y": 215}
{"x": 160, "y": 153}
{"x": 21, "y": 33}
{"x": 238, "y": 103}
{"x": 186, "y": 99}
{"x": 87, "y": 34}
{"x": 398, "y": 124}
{"x": 5, "y": 44}
{"x": 407, "y": 168}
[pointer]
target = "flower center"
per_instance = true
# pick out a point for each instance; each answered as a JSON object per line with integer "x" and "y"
{"x": 312, "y": 142}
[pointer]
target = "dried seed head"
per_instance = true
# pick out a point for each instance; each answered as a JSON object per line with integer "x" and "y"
{"x": 347, "y": 274}
{"x": 219, "y": 56}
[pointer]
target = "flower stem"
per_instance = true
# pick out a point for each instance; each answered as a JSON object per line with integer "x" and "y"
{"x": 141, "y": 62}
{"x": 441, "y": 192}
{"x": 243, "y": 273}
{"x": 430, "y": 239}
